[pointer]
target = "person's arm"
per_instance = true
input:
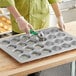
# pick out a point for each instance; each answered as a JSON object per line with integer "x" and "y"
{"x": 14, "y": 11}
{"x": 58, "y": 15}
{"x": 24, "y": 26}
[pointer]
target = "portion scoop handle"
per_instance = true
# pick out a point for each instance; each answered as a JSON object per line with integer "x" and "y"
{"x": 33, "y": 32}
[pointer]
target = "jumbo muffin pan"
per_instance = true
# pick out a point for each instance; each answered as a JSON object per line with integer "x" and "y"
{"x": 26, "y": 48}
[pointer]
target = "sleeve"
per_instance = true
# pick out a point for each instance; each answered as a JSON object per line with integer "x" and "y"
{"x": 5, "y": 3}
{"x": 54, "y": 1}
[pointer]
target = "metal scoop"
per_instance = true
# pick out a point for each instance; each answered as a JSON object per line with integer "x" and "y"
{"x": 40, "y": 35}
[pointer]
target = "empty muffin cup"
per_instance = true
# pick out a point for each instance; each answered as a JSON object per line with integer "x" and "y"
{"x": 17, "y": 51}
{"x": 23, "y": 37}
{"x": 30, "y": 42}
{"x": 58, "y": 41}
{"x": 28, "y": 49}
{"x": 65, "y": 45}
{"x": 45, "y": 51}
{"x": 14, "y": 40}
{"x": 56, "y": 48}
{"x": 38, "y": 46}
{"x": 51, "y": 37}
{"x": 73, "y": 42}
{"x": 5, "y": 42}
{"x": 11, "y": 47}
{"x": 24, "y": 57}
{"x": 46, "y": 32}
{"x": 36, "y": 54}
{"x": 21, "y": 44}
{"x": 49, "y": 43}
{"x": 60, "y": 34}
{"x": 54, "y": 30}
{"x": 68, "y": 38}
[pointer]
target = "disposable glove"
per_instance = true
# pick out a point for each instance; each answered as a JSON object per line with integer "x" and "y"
{"x": 61, "y": 23}
{"x": 23, "y": 25}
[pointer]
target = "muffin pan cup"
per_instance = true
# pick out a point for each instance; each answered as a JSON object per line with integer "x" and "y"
{"x": 25, "y": 48}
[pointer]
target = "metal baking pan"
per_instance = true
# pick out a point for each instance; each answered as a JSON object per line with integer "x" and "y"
{"x": 25, "y": 48}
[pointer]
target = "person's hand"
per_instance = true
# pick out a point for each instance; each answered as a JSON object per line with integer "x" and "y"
{"x": 23, "y": 25}
{"x": 61, "y": 23}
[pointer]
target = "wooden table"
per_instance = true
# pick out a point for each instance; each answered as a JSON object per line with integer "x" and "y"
{"x": 9, "y": 67}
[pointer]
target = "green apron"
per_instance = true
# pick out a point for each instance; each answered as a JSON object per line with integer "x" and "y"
{"x": 36, "y": 12}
